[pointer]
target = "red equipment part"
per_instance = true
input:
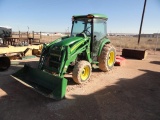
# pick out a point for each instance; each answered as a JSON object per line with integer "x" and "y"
{"x": 120, "y": 61}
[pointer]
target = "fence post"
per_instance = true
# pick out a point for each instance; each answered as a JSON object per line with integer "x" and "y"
{"x": 120, "y": 43}
{"x": 40, "y": 35}
{"x": 27, "y": 35}
{"x": 19, "y": 34}
{"x": 156, "y": 43}
{"x": 33, "y": 34}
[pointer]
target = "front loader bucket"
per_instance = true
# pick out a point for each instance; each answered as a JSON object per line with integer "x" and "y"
{"x": 43, "y": 82}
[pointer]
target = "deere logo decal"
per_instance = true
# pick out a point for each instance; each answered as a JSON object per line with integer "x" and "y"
{"x": 76, "y": 45}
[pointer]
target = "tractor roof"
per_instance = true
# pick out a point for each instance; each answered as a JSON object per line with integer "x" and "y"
{"x": 101, "y": 16}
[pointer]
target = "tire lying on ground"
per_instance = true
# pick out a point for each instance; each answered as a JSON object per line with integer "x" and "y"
{"x": 81, "y": 72}
{"x": 4, "y": 63}
{"x": 107, "y": 58}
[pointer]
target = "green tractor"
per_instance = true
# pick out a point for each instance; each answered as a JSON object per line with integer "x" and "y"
{"x": 87, "y": 45}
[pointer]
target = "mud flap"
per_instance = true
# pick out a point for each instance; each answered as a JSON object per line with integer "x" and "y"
{"x": 45, "y": 83}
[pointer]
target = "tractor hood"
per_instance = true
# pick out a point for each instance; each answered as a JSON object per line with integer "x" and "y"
{"x": 68, "y": 41}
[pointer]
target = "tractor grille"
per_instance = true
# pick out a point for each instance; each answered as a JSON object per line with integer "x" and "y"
{"x": 55, "y": 58}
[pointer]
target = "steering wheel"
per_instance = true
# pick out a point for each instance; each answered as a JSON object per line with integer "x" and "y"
{"x": 82, "y": 34}
{"x": 87, "y": 32}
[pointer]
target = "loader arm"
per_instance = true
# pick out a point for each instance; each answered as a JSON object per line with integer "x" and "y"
{"x": 56, "y": 59}
{"x": 80, "y": 47}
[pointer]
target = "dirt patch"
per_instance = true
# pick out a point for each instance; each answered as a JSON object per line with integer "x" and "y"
{"x": 127, "y": 92}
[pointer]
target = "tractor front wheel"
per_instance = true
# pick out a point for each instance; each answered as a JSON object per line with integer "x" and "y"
{"x": 107, "y": 58}
{"x": 82, "y": 72}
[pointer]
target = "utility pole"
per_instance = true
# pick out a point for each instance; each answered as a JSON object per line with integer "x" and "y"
{"x": 141, "y": 21}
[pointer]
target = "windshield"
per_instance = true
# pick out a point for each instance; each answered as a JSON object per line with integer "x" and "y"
{"x": 99, "y": 28}
{"x": 81, "y": 25}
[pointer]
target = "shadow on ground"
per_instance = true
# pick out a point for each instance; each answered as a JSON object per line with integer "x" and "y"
{"x": 155, "y": 62}
{"x": 127, "y": 99}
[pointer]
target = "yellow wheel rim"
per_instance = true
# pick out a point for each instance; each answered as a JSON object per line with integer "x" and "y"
{"x": 85, "y": 73}
{"x": 111, "y": 58}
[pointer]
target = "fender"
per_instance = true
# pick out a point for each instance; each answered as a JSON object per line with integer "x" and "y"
{"x": 104, "y": 41}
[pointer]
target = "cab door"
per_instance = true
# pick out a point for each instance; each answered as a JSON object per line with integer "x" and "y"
{"x": 99, "y": 32}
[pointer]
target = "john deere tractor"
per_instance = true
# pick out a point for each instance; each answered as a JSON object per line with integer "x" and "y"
{"x": 86, "y": 46}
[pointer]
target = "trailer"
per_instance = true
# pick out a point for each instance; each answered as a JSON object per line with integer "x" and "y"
{"x": 5, "y": 32}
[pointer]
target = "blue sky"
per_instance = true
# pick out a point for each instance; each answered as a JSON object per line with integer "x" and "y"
{"x": 124, "y": 16}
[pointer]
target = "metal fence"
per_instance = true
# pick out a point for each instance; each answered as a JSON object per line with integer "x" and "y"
{"x": 130, "y": 41}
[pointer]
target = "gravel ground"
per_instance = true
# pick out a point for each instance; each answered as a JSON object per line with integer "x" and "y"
{"x": 129, "y": 92}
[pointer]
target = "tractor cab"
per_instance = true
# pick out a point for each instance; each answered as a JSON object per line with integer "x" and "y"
{"x": 92, "y": 26}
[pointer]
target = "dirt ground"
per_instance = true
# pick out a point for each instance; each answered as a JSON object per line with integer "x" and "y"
{"x": 129, "y": 92}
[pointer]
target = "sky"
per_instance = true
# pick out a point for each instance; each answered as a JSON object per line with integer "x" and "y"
{"x": 124, "y": 16}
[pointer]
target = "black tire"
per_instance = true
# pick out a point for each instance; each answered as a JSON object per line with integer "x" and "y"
{"x": 107, "y": 58}
{"x": 4, "y": 63}
{"x": 81, "y": 72}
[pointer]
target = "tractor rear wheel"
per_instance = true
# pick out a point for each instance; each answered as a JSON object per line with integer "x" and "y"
{"x": 107, "y": 58}
{"x": 81, "y": 72}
